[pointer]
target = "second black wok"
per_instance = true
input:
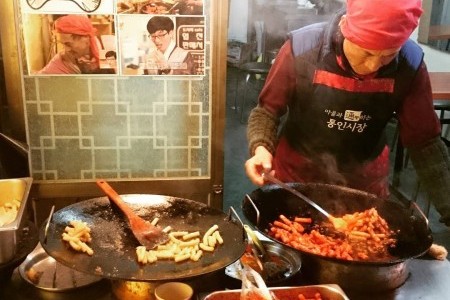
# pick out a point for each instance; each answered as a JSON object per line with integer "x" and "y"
{"x": 413, "y": 237}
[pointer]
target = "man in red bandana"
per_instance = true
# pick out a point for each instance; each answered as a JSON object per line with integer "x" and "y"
{"x": 339, "y": 84}
{"x": 81, "y": 54}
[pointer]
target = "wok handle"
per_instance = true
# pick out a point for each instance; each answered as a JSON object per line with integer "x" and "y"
{"x": 254, "y": 207}
{"x": 232, "y": 210}
{"x": 47, "y": 225}
{"x": 421, "y": 213}
{"x": 112, "y": 194}
{"x": 271, "y": 178}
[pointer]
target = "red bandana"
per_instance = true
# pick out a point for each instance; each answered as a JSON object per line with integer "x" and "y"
{"x": 380, "y": 24}
{"x": 75, "y": 24}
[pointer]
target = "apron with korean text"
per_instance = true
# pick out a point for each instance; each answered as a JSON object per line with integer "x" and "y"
{"x": 334, "y": 131}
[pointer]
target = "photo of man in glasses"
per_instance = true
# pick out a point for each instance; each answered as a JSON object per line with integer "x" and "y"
{"x": 167, "y": 58}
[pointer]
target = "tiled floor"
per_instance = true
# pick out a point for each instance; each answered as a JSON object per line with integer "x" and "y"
{"x": 236, "y": 153}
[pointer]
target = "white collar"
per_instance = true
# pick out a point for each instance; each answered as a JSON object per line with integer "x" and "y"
{"x": 169, "y": 49}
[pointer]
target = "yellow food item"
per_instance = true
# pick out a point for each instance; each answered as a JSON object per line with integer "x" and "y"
{"x": 77, "y": 236}
{"x": 8, "y": 212}
{"x": 182, "y": 245}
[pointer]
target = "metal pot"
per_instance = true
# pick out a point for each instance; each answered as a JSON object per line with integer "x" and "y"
{"x": 413, "y": 239}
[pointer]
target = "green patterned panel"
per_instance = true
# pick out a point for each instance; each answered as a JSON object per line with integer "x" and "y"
{"x": 122, "y": 127}
{"x": 176, "y": 124}
{"x": 178, "y": 159}
{"x": 141, "y": 124}
{"x": 105, "y": 159}
{"x": 105, "y": 124}
{"x": 65, "y": 160}
{"x": 178, "y": 91}
{"x": 38, "y": 125}
{"x": 63, "y": 92}
{"x": 66, "y": 125}
{"x": 104, "y": 90}
{"x": 30, "y": 88}
{"x": 140, "y": 93}
{"x": 200, "y": 158}
{"x": 142, "y": 159}
{"x": 144, "y": 128}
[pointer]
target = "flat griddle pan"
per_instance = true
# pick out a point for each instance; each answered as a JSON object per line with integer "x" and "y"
{"x": 115, "y": 246}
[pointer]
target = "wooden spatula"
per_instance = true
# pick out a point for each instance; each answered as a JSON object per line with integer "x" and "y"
{"x": 147, "y": 234}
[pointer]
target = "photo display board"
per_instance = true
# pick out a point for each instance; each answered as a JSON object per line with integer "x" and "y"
{"x": 114, "y": 37}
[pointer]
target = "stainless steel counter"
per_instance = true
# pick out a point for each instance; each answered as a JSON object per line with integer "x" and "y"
{"x": 429, "y": 279}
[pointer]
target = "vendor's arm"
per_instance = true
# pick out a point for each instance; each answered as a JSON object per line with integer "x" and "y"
{"x": 264, "y": 119}
{"x": 420, "y": 132}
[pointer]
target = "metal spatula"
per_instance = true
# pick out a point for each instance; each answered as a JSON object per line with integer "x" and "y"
{"x": 338, "y": 223}
{"x": 147, "y": 234}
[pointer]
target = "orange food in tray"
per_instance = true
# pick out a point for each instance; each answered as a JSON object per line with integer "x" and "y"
{"x": 309, "y": 292}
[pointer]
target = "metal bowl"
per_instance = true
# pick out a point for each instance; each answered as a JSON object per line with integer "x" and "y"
{"x": 44, "y": 272}
{"x": 289, "y": 256}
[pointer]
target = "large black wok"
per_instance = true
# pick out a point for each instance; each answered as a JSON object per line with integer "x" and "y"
{"x": 414, "y": 236}
{"x": 115, "y": 246}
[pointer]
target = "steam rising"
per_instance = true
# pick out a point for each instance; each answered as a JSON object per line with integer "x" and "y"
{"x": 327, "y": 166}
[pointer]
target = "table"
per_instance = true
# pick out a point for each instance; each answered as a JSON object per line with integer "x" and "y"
{"x": 428, "y": 279}
{"x": 440, "y": 32}
{"x": 426, "y": 282}
{"x": 440, "y": 85}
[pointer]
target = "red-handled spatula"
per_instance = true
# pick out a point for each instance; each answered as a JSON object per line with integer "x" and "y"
{"x": 147, "y": 234}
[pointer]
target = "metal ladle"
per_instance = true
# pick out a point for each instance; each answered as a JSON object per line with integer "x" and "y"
{"x": 338, "y": 223}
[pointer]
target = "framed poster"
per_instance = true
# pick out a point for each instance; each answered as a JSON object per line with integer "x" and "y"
{"x": 70, "y": 44}
{"x": 114, "y": 37}
{"x": 161, "y": 45}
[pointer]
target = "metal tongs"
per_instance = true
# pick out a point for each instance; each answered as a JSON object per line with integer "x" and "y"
{"x": 338, "y": 223}
{"x": 271, "y": 270}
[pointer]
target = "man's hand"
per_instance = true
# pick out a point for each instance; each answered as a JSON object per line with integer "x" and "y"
{"x": 87, "y": 64}
{"x": 155, "y": 58}
{"x": 261, "y": 161}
